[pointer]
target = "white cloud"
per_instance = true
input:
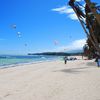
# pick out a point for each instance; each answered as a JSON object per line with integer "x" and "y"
{"x": 78, "y": 44}
{"x": 73, "y": 16}
{"x": 66, "y": 10}
{"x": 63, "y": 10}
{"x": 75, "y": 45}
{"x": 79, "y": 0}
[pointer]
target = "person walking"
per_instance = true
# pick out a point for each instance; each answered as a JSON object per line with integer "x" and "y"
{"x": 65, "y": 59}
{"x": 97, "y": 60}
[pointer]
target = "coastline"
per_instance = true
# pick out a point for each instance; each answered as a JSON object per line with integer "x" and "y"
{"x": 24, "y": 63}
{"x": 54, "y": 80}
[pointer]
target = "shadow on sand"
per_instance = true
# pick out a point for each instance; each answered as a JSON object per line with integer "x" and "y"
{"x": 91, "y": 64}
{"x": 77, "y": 70}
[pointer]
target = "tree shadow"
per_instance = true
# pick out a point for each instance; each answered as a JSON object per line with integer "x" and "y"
{"x": 75, "y": 70}
{"x": 70, "y": 70}
{"x": 91, "y": 64}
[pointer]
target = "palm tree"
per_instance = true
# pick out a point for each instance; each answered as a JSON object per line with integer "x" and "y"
{"x": 93, "y": 23}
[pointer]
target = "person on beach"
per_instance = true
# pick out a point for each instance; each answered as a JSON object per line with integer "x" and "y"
{"x": 98, "y": 61}
{"x": 65, "y": 59}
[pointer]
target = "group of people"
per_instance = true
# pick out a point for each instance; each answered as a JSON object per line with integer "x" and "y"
{"x": 69, "y": 59}
{"x": 97, "y": 60}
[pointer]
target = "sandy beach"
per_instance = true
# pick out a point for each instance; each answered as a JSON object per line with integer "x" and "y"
{"x": 76, "y": 80}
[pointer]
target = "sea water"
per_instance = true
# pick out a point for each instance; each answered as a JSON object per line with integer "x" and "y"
{"x": 11, "y": 60}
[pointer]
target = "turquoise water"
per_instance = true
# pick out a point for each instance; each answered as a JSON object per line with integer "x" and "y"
{"x": 6, "y": 60}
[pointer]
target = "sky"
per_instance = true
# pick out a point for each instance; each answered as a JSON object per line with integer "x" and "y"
{"x": 31, "y": 26}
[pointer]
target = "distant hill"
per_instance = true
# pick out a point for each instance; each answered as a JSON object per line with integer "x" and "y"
{"x": 56, "y": 53}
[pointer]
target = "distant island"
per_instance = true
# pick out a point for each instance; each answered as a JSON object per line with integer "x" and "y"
{"x": 57, "y": 53}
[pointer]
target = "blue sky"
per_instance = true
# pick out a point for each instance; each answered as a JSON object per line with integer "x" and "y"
{"x": 41, "y": 26}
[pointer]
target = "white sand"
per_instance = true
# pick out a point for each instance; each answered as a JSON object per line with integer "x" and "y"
{"x": 77, "y": 80}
